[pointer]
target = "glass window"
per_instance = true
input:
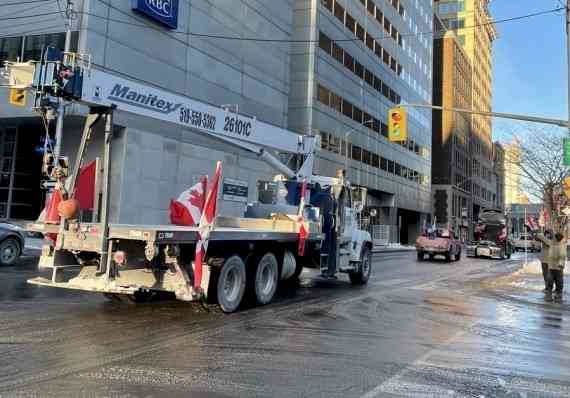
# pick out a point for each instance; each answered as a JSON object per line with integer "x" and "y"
{"x": 336, "y": 102}
{"x": 34, "y": 45}
{"x": 357, "y": 115}
{"x": 369, "y": 42}
{"x": 323, "y": 95}
{"x": 386, "y": 90}
{"x": 347, "y": 108}
{"x": 384, "y": 130}
{"x": 359, "y": 69}
{"x": 325, "y": 43}
{"x": 348, "y": 61}
{"x": 339, "y": 12}
{"x": 338, "y": 53}
{"x": 324, "y": 140}
{"x": 350, "y": 23}
{"x": 10, "y": 49}
{"x": 360, "y": 32}
{"x": 384, "y": 164}
{"x": 387, "y": 25}
{"x": 368, "y": 77}
{"x": 328, "y": 4}
{"x": 375, "y": 160}
{"x": 356, "y": 153}
{"x": 378, "y": 50}
{"x": 390, "y": 166}
{"x": 386, "y": 57}
{"x": 377, "y": 84}
{"x": 371, "y": 8}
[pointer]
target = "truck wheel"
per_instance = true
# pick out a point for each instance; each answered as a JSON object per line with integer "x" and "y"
{"x": 361, "y": 276}
{"x": 266, "y": 279}
{"x": 448, "y": 256}
{"x": 420, "y": 256}
{"x": 230, "y": 284}
{"x": 458, "y": 256}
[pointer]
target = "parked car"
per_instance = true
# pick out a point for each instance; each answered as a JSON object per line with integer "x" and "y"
{"x": 12, "y": 242}
{"x": 439, "y": 242}
{"x": 527, "y": 243}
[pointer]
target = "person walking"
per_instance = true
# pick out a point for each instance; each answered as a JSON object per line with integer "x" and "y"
{"x": 556, "y": 262}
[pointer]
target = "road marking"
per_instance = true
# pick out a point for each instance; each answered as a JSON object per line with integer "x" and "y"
{"x": 393, "y": 384}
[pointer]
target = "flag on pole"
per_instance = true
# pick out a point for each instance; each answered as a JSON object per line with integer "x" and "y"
{"x": 531, "y": 223}
{"x": 303, "y": 233}
{"x": 205, "y": 227}
{"x": 187, "y": 209}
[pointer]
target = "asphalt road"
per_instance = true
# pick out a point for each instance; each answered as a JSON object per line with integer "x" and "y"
{"x": 477, "y": 328}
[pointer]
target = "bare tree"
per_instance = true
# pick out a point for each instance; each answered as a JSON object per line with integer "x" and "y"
{"x": 538, "y": 163}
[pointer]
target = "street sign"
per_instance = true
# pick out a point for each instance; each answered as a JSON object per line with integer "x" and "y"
{"x": 566, "y": 146}
{"x": 397, "y": 125}
{"x": 47, "y": 184}
{"x": 18, "y": 96}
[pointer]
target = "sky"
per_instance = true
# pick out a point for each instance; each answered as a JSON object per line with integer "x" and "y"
{"x": 530, "y": 63}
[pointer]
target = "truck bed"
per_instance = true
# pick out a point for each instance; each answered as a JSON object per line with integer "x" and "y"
{"x": 225, "y": 229}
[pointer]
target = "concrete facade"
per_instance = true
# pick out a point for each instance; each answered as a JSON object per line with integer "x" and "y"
{"x": 359, "y": 59}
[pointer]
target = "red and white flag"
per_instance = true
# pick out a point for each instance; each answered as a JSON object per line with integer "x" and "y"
{"x": 205, "y": 227}
{"x": 303, "y": 233}
{"x": 531, "y": 223}
{"x": 187, "y": 210}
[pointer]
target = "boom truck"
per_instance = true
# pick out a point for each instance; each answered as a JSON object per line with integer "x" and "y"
{"x": 247, "y": 255}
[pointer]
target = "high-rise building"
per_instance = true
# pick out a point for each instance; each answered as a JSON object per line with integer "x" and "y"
{"x": 358, "y": 59}
{"x": 451, "y": 134}
{"x": 472, "y": 22}
{"x": 499, "y": 169}
{"x": 513, "y": 192}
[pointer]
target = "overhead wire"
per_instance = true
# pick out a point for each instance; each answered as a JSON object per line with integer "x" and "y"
{"x": 24, "y": 2}
{"x": 145, "y": 24}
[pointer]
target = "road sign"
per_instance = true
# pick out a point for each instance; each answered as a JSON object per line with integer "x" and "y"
{"x": 18, "y": 96}
{"x": 47, "y": 184}
{"x": 397, "y": 125}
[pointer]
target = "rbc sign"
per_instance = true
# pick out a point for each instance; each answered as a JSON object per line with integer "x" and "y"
{"x": 164, "y": 12}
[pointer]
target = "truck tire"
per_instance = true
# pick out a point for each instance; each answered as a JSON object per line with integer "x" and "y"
{"x": 448, "y": 256}
{"x": 10, "y": 250}
{"x": 420, "y": 256}
{"x": 230, "y": 284}
{"x": 361, "y": 276}
{"x": 266, "y": 279}
{"x": 458, "y": 256}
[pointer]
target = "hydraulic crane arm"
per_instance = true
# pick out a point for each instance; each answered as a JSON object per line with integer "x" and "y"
{"x": 101, "y": 88}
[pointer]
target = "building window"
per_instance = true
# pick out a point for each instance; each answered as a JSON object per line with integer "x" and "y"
{"x": 328, "y": 4}
{"x": 339, "y": 12}
{"x": 323, "y": 95}
{"x": 350, "y": 23}
{"x": 325, "y": 43}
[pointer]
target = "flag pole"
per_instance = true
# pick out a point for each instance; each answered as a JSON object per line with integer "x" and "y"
{"x": 526, "y": 243}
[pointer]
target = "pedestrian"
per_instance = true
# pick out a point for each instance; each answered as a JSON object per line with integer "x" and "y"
{"x": 545, "y": 253}
{"x": 556, "y": 262}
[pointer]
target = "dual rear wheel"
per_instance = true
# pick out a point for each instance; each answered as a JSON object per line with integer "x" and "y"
{"x": 233, "y": 280}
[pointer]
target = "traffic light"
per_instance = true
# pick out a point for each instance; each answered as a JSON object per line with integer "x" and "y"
{"x": 397, "y": 125}
{"x": 566, "y": 147}
{"x": 18, "y": 96}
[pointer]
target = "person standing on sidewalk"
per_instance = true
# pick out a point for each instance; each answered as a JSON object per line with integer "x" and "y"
{"x": 556, "y": 262}
{"x": 544, "y": 258}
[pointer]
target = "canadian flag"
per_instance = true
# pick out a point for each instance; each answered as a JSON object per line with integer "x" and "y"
{"x": 303, "y": 233}
{"x": 187, "y": 209}
{"x": 205, "y": 227}
{"x": 531, "y": 223}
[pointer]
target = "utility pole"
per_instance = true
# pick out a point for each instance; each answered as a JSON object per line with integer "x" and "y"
{"x": 61, "y": 106}
{"x": 568, "y": 55}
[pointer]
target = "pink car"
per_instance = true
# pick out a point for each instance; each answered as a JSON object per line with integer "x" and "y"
{"x": 439, "y": 242}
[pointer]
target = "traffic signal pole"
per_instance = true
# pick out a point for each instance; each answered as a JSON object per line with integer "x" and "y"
{"x": 555, "y": 122}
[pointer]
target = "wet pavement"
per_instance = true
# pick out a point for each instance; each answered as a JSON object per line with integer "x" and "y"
{"x": 476, "y": 328}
